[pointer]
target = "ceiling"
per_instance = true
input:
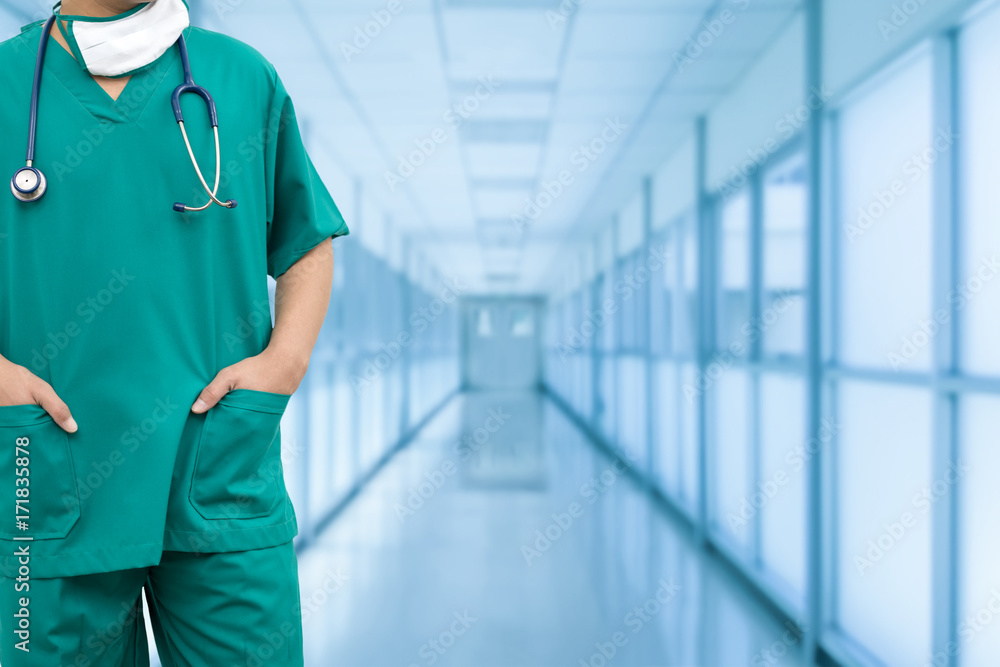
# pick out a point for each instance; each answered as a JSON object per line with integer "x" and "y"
{"x": 535, "y": 80}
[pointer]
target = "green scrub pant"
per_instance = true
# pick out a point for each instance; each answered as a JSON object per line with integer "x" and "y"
{"x": 213, "y": 610}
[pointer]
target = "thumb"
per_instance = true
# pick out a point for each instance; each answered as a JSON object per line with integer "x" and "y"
{"x": 213, "y": 393}
{"x": 46, "y": 397}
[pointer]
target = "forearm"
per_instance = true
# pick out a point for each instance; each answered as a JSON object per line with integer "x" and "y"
{"x": 301, "y": 301}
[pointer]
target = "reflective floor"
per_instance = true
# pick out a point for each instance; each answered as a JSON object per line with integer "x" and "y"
{"x": 501, "y": 537}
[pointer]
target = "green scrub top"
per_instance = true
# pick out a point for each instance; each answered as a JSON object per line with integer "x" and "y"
{"x": 129, "y": 309}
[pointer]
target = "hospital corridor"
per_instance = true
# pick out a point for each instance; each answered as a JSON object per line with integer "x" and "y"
{"x": 666, "y": 334}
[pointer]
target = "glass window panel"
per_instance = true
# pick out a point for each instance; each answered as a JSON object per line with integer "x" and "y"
{"x": 553, "y": 325}
{"x": 585, "y": 321}
{"x": 667, "y": 427}
{"x": 609, "y": 391}
{"x": 318, "y": 434}
{"x": 343, "y": 435}
{"x": 606, "y": 310}
{"x": 687, "y": 301}
{"x": 634, "y": 300}
{"x": 785, "y": 451}
{"x": 731, "y": 456}
{"x": 626, "y": 306}
{"x": 484, "y": 326}
{"x": 741, "y": 637}
{"x": 884, "y": 559}
{"x": 784, "y": 270}
{"x": 581, "y": 385}
{"x": 661, "y": 295}
{"x": 734, "y": 272}
{"x": 632, "y": 409}
{"x": 372, "y": 438}
{"x": 979, "y": 629}
{"x": 418, "y": 399}
{"x": 980, "y": 295}
{"x": 644, "y": 274}
{"x": 689, "y": 275}
{"x": 690, "y": 436}
{"x": 523, "y": 321}
{"x": 885, "y": 232}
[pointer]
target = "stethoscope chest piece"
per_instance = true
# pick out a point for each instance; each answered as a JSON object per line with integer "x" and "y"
{"x": 28, "y": 184}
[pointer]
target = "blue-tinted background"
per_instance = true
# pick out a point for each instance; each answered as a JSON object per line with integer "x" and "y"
{"x": 667, "y": 333}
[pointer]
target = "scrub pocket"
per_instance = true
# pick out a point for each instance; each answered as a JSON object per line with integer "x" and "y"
{"x": 237, "y": 471}
{"x": 36, "y": 468}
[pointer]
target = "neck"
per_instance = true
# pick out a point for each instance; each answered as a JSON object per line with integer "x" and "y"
{"x": 96, "y": 8}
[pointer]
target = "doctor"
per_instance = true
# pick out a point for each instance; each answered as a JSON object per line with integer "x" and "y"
{"x": 141, "y": 381}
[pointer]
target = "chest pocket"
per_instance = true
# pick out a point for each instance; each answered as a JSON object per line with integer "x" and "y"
{"x": 38, "y": 492}
{"x": 237, "y": 472}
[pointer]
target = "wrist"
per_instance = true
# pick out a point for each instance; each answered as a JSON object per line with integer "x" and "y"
{"x": 292, "y": 363}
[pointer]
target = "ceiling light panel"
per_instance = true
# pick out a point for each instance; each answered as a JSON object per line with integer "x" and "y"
{"x": 499, "y": 202}
{"x": 510, "y": 45}
{"x": 509, "y": 131}
{"x": 641, "y": 35}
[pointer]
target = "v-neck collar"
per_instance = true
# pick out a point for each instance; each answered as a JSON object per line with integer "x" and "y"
{"x": 132, "y": 101}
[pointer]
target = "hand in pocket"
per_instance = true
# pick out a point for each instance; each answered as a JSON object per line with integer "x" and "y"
{"x": 266, "y": 372}
{"x": 19, "y": 386}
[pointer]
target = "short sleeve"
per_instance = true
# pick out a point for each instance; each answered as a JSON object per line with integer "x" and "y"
{"x": 301, "y": 212}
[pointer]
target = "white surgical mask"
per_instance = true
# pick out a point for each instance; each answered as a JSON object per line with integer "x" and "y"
{"x": 124, "y": 44}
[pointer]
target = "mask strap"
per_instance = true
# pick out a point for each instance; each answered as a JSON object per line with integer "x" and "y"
{"x": 70, "y": 40}
{"x": 61, "y": 27}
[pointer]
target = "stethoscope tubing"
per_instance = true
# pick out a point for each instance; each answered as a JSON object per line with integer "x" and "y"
{"x": 27, "y": 192}
{"x": 218, "y": 172}
{"x": 36, "y": 89}
{"x": 189, "y": 86}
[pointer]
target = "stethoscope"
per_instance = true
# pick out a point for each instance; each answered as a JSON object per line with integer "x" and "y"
{"x": 29, "y": 183}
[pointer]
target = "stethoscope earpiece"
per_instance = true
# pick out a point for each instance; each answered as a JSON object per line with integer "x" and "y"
{"x": 181, "y": 207}
{"x": 28, "y": 184}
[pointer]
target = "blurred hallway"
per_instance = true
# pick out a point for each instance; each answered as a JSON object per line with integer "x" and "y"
{"x": 443, "y": 533}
